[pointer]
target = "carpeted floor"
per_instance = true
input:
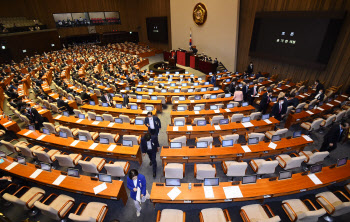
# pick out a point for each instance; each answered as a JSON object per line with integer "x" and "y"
{"x": 149, "y": 212}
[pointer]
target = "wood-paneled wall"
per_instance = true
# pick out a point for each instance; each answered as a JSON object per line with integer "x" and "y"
{"x": 338, "y": 68}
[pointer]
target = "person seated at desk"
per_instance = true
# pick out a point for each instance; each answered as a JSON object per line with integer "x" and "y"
{"x": 277, "y": 110}
{"x": 238, "y": 95}
{"x": 317, "y": 86}
{"x": 292, "y": 101}
{"x": 62, "y": 105}
{"x": 107, "y": 98}
{"x": 319, "y": 96}
{"x": 194, "y": 49}
{"x": 257, "y": 76}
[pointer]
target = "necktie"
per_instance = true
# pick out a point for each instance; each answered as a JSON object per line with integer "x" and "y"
{"x": 280, "y": 107}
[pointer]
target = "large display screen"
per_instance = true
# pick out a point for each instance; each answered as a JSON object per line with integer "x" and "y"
{"x": 301, "y": 38}
{"x": 157, "y": 29}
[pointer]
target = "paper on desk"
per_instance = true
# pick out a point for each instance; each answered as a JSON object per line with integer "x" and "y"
{"x": 7, "y": 123}
{"x": 272, "y": 145}
{"x": 247, "y": 124}
{"x": 279, "y": 89}
{"x": 302, "y": 96}
{"x": 307, "y": 138}
{"x": 58, "y": 117}
{"x": 267, "y": 121}
{"x": 344, "y": 96}
{"x": 232, "y": 192}
{"x": 246, "y": 149}
{"x": 41, "y": 137}
{"x": 95, "y": 122}
{"x": 36, "y": 173}
{"x": 288, "y": 85}
{"x": 337, "y": 101}
{"x": 111, "y": 147}
{"x": 176, "y": 101}
{"x": 174, "y": 193}
{"x": 217, "y": 127}
{"x": 29, "y": 132}
{"x": 79, "y": 120}
{"x": 192, "y": 101}
{"x": 270, "y": 80}
{"x": 314, "y": 179}
{"x": 328, "y": 104}
{"x": 144, "y": 112}
{"x": 216, "y": 111}
{"x": 189, "y": 128}
{"x": 51, "y": 94}
{"x": 100, "y": 188}
{"x": 59, "y": 180}
{"x": 309, "y": 112}
{"x": 74, "y": 143}
{"x": 208, "y": 191}
{"x": 319, "y": 108}
{"x": 139, "y": 100}
{"x": 196, "y": 112}
{"x": 228, "y": 110}
{"x": 110, "y": 124}
{"x": 12, "y": 165}
{"x": 93, "y": 146}
{"x": 175, "y": 128}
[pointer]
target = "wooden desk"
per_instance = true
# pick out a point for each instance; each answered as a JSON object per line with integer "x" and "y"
{"x": 142, "y": 102}
{"x": 210, "y": 130}
{"x": 9, "y": 125}
{"x": 43, "y": 112}
{"x": 259, "y": 190}
{"x": 119, "y": 152}
{"x": 207, "y": 102}
{"x": 103, "y": 126}
{"x": 71, "y": 103}
{"x": 115, "y": 111}
{"x": 82, "y": 185}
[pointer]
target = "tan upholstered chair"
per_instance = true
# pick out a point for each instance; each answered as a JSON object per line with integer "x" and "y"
{"x": 172, "y": 215}
{"x": 214, "y": 214}
{"x": 89, "y": 135}
{"x": 52, "y": 128}
{"x": 182, "y": 119}
{"x": 46, "y": 157}
{"x": 256, "y": 212}
{"x": 297, "y": 210}
{"x": 313, "y": 157}
{"x": 112, "y": 138}
{"x": 287, "y": 162}
{"x": 117, "y": 169}
{"x": 207, "y": 139}
{"x": 108, "y": 117}
{"x": 202, "y": 171}
{"x": 233, "y": 137}
{"x": 58, "y": 208}
{"x": 261, "y": 136}
{"x": 136, "y": 140}
{"x": 315, "y": 125}
{"x": 29, "y": 152}
{"x": 181, "y": 139}
{"x": 195, "y": 120}
{"x": 216, "y": 119}
{"x": 281, "y": 132}
{"x": 70, "y": 160}
{"x": 93, "y": 165}
{"x": 91, "y": 115}
{"x": 234, "y": 168}
{"x": 333, "y": 205}
{"x": 70, "y": 132}
{"x": 236, "y": 118}
{"x": 261, "y": 166}
{"x": 255, "y": 115}
{"x": 93, "y": 211}
{"x": 28, "y": 199}
{"x": 77, "y": 112}
{"x": 174, "y": 170}
{"x": 126, "y": 119}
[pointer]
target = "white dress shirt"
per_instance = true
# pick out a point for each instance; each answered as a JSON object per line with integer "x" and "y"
{"x": 149, "y": 145}
{"x": 151, "y": 122}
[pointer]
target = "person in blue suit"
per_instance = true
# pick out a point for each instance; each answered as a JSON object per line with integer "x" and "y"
{"x": 136, "y": 181}
{"x": 213, "y": 80}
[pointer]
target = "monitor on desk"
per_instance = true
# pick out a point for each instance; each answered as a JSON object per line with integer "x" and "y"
{"x": 253, "y": 140}
{"x": 118, "y": 106}
{"x": 31, "y": 127}
{"x": 21, "y": 160}
{"x": 211, "y": 181}
{"x": 138, "y": 89}
{"x": 182, "y": 98}
{"x": 150, "y": 83}
{"x": 149, "y": 108}
{"x": 127, "y": 143}
{"x": 45, "y": 166}
{"x": 83, "y": 138}
{"x": 172, "y": 84}
{"x": 223, "y": 121}
{"x": 245, "y": 104}
{"x": 201, "y": 123}
{"x": 69, "y": 98}
{"x": 2, "y": 154}
{"x": 112, "y": 94}
{"x": 150, "y": 90}
{"x": 249, "y": 179}
{"x": 200, "y": 79}
{"x": 297, "y": 134}
{"x": 230, "y": 106}
{"x": 73, "y": 172}
{"x": 180, "y": 108}
{"x": 284, "y": 175}
{"x": 228, "y": 80}
{"x": 153, "y": 97}
{"x": 273, "y": 99}
{"x": 179, "y": 123}
{"x": 251, "y": 83}
{"x": 104, "y": 104}
{"x": 197, "y": 108}
{"x": 279, "y": 85}
{"x": 46, "y": 131}
{"x": 139, "y": 122}
{"x": 175, "y": 145}
{"x": 197, "y": 97}
{"x": 276, "y": 138}
{"x": 190, "y": 90}
{"x": 321, "y": 104}
{"x": 298, "y": 110}
{"x": 246, "y": 119}
{"x": 202, "y": 144}
{"x": 167, "y": 72}
{"x": 316, "y": 168}
{"x": 163, "y": 90}
{"x": 240, "y": 85}
{"x": 213, "y": 107}
{"x": 342, "y": 161}
{"x": 213, "y": 96}
{"x": 227, "y": 95}
{"x": 195, "y": 84}
{"x": 206, "y": 83}
{"x": 138, "y": 97}
{"x": 105, "y": 178}
{"x": 227, "y": 143}
{"x": 66, "y": 113}
{"x": 99, "y": 118}
{"x": 261, "y": 80}
{"x": 118, "y": 120}
{"x": 219, "y": 76}
{"x": 104, "y": 140}
{"x": 81, "y": 116}
{"x": 172, "y": 182}
{"x": 203, "y": 89}
{"x": 63, "y": 134}
{"x": 133, "y": 107}
{"x": 216, "y": 88}
{"x": 184, "y": 84}
{"x": 176, "y": 90}
{"x": 91, "y": 91}
{"x": 265, "y": 116}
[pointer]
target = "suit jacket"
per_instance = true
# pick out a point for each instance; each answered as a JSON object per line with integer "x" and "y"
{"x": 284, "y": 106}
{"x": 104, "y": 100}
{"x": 61, "y": 103}
{"x": 141, "y": 183}
{"x": 275, "y": 112}
{"x": 333, "y": 135}
{"x": 157, "y": 123}
{"x": 293, "y": 102}
{"x": 125, "y": 100}
{"x": 318, "y": 87}
{"x": 263, "y": 102}
{"x": 251, "y": 91}
{"x": 321, "y": 97}
{"x": 245, "y": 91}
{"x": 155, "y": 145}
{"x": 35, "y": 115}
{"x": 213, "y": 80}
{"x": 250, "y": 69}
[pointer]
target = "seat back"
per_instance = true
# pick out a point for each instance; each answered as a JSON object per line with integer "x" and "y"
{"x": 195, "y": 120}
{"x": 182, "y": 119}
{"x": 64, "y": 160}
{"x": 115, "y": 170}
{"x": 54, "y": 108}
{"x": 88, "y": 166}
{"x": 261, "y": 136}
{"x": 9, "y": 146}
{"x": 50, "y": 127}
{"x": 235, "y": 104}
{"x": 281, "y": 132}
{"x": 108, "y": 136}
{"x": 91, "y": 115}
{"x": 295, "y": 162}
{"x": 233, "y": 137}
{"x": 77, "y": 112}
{"x": 185, "y": 106}
{"x": 255, "y": 115}
{"x": 300, "y": 106}
{"x": 174, "y": 98}
{"x": 66, "y": 130}
{"x": 236, "y": 117}
{"x": 202, "y": 106}
{"x": 316, "y": 124}
{"x": 208, "y": 139}
{"x": 329, "y": 120}
{"x": 236, "y": 169}
{"x": 145, "y": 97}
{"x": 42, "y": 156}
{"x": 125, "y": 118}
{"x": 318, "y": 157}
{"x": 267, "y": 167}
{"x": 85, "y": 133}
{"x": 133, "y": 138}
{"x": 47, "y": 210}
{"x": 173, "y": 170}
{"x": 162, "y": 98}
{"x": 216, "y": 119}
{"x": 181, "y": 139}
{"x": 25, "y": 151}
{"x": 108, "y": 117}
{"x": 340, "y": 115}
{"x": 25, "y": 119}
{"x": 148, "y": 105}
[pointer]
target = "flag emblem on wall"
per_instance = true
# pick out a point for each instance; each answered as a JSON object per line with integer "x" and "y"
{"x": 190, "y": 43}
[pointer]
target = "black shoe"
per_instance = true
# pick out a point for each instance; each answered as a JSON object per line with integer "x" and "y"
{"x": 154, "y": 175}
{"x": 150, "y": 163}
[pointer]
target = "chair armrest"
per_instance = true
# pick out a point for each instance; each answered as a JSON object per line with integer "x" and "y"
{"x": 103, "y": 162}
{"x": 158, "y": 216}
{"x": 111, "y": 162}
{"x": 32, "y": 199}
{"x": 80, "y": 205}
{"x": 102, "y": 215}
{"x": 315, "y": 150}
{"x": 244, "y": 216}
{"x": 10, "y": 185}
{"x": 291, "y": 209}
{"x": 87, "y": 158}
{"x": 283, "y": 161}
{"x": 79, "y": 155}
{"x": 184, "y": 217}
{"x": 294, "y": 154}
{"x": 59, "y": 212}
{"x": 227, "y": 215}
{"x": 21, "y": 189}
{"x": 126, "y": 167}
{"x": 53, "y": 194}
{"x": 52, "y": 155}
{"x": 195, "y": 170}
{"x": 251, "y": 164}
{"x": 307, "y": 157}
{"x": 269, "y": 209}
{"x": 333, "y": 208}
{"x": 309, "y": 201}
{"x": 224, "y": 167}
{"x": 338, "y": 191}
{"x": 183, "y": 169}
{"x": 214, "y": 168}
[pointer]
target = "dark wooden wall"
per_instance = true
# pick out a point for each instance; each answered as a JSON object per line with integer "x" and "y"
{"x": 338, "y": 68}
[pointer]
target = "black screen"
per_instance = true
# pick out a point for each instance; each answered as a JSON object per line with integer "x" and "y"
{"x": 157, "y": 29}
{"x": 301, "y": 38}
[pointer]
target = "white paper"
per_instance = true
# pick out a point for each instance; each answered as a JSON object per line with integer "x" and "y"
{"x": 344, "y": 96}
{"x": 75, "y": 142}
{"x": 7, "y": 123}
{"x": 29, "y": 132}
{"x": 36, "y": 173}
{"x": 12, "y": 165}
{"x": 59, "y": 180}
{"x": 302, "y": 96}
{"x": 309, "y": 112}
{"x": 279, "y": 89}
{"x": 95, "y": 122}
{"x": 217, "y": 127}
{"x": 100, "y": 188}
{"x": 328, "y": 104}
{"x": 196, "y": 112}
{"x": 314, "y": 179}
{"x": 174, "y": 193}
{"x": 79, "y": 120}
{"x": 228, "y": 110}
{"x": 216, "y": 111}
{"x": 246, "y": 149}
{"x": 247, "y": 124}
{"x": 175, "y": 128}
{"x": 288, "y": 85}
{"x": 232, "y": 192}
{"x": 176, "y": 101}
{"x": 337, "y": 101}
{"x": 189, "y": 128}
{"x": 58, "y": 117}
{"x": 110, "y": 125}
{"x": 270, "y": 80}
{"x": 319, "y": 108}
{"x": 208, "y": 191}
{"x": 93, "y": 146}
{"x": 139, "y": 100}
{"x": 144, "y": 112}
{"x": 272, "y": 145}
{"x": 267, "y": 121}
{"x": 41, "y": 137}
{"x": 192, "y": 101}
{"x": 307, "y": 138}
{"x": 111, "y": 147}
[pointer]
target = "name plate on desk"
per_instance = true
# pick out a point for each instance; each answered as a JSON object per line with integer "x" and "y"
{"x": 267, "y": 196}
{"x": 212, "y": 157}
{"x": 187, "y": 201}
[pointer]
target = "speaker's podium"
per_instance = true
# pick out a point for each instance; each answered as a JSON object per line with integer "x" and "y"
{"x": 172, "y": 62}
{"x": 183, "y": 57}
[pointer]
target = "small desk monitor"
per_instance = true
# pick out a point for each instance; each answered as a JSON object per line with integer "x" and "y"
{"x": 81, "y": 116}
{"x": 46, "y": 131}
{"x": 228, "y": 80}
{"x": 153, "y": 97}
{"x": 297, "y": 134}
{"x": 138, "y": 89}
{"x": 127, "y": 143}
{"x": 176, "y": 90}
{"x": 206, "y": 83}
{"x": 211, "y": 181}
{"x": 298, "y": 110}
{"x": 227, "y": 95}
{"x": 190, "y": 90}
{"x": 92, "y": 103}
{"x": 202, "y": 144}
{"x": 163, "y": 90}
{"x": 197, "y": 108}
{"x": 83, "y": 138}
{"x": 203, "y": 89}
{"x": 227, "y": 143}
{"x": 245, "y": 104}
{"x": 180, "y": 108}
{"x": 105, "y": 178}
{"x": 149, "y": 108}
{"x": 2, "y": 154}
{"x": 73, "y": 172}
{"x": 184, "y": 84}
{"x": 311, "y": 107}
{"x": 99, "y": 118}
{"x": 265, "y": 116}
{"x": 92, "y": 91}
{"x": 138, "y": 97}
{"x": 172, "y": 182}
{"x": 276, "y": 138}
{"x": 45, "y": 166}
{"x": 195, "y": 84}
{"x": 118, "y": 120}
{"x": 127, "y": 88}
{"x": 254, "y": 140}
{"x": 63, "y": 134}
{"x": 133, "y": 107}
{"x": 175, "y": 145}
{"x": 284, "y": 175}
{"x": 201, "y": 122}
{"x": 172, "y": 84}
{"x": 167, "y": 72}
{"x": 31, "y": 127}
{"x": 213, "y": 96}
{"x": 197, "y": 97}
{"x": 273, "y": 99}
{"x": 342, "y": 161}
{"x": 182, "y": 98}
{"x": 223, "y": 121}
{"x": 104, "y": 140}
{"x": 112, "y": 94}
{"x": 118, "y": 106}
{"x": 249, "y": 179}
{"x": 213, "y": 107}
{"x": 139, "y": 122}
{"x": 179, "y": 123}
{"x": 104, "y": 104}
{"x": 316, "y": 168}
{"x": 21, "y": 160}
{"x": 216, "y": 88}
{"x": 65, "y": 113}
{"x": 246, "y": 119}
{"x": 229, "y": 106}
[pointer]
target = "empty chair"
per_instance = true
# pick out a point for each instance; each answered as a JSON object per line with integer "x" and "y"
{"x": 184, "y": 89}
{"x": 173, "y": 215}
{"x": 281, "y": 132}
{"x": 261, "y": 166}
{"x": 233, "y": 137}
{"x": 135, "y": 139}
{"x": 214, "y": 214}
{"x": 201, "y": 106}
{"x": 315, "y": 125}
{"x": 297, "y": 210}
{"x": 236, "y": 118}
{"x": 162, "y": 98}
{"x": 28, "y": 199}
{"x": 77, "y": 112}
{"x": 108, "y": 117}
{"x": 13, "y": 148}
{"x": 79, "y": 100}
{"x": 206, "y": 96}
{"x": 183, "y": 107}
{"x": 174, "y": 98}
{"x": 28, "y": 152}
{"x": 235, "y": 104}
{"x": 333, "y": 205}
{"x": 132, "y": 104}
{"x": 179, "y": 119}
{"x": 117, "y": 169}
{"x": 288, "y": 162}
{"x": 311, "y": 103}
{"x": 58, "y": 208}
{"x": 181, "y": 139}
{"x": 69, "y": 132}
{"x": 93, "y": 211}
{"x": 55, "y": 108}
{"x": 234, "y": 168}
{"x": 207, "y": 139}
{"x": 126, "y": 118}
{"x": 93, "y": 165}
{"x": 195, "y": 120}
{"x": 327, "y": 122}
{"x": 289, "y": 109}
{"x": 88, "y": 135}
{"x": 255, "y": 115}
{"x": 112, "y": 138}
{"x": 340, "y": 116}
{"x": 145, "y": 97}
{"x": 97, "y": 92}
{"x": 313, "y": 157}
{"x": 261, "y": 136}
{"x": 202, "y": 171}
{"x": 256, "y": 212}
{"x": 216, "y": 119}
{"x": 174, "y": 170}
{"x": 300, "y": 106}
{"x": 91, "y": 115}
{"x": 52, "y": 128}
{"x": 46, "y": 157}
{"x": 25, "y": 119}
{"x": 220, "y": 105}
{"x": 68, "y": 160}
{"x": 140, "y": 118}
{"x": 221, "y": 95}
{"x": 149, "y": 107}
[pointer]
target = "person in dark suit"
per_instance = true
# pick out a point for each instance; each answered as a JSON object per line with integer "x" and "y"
{"x": 153, "y": 123}
{"x": 125, "y": 100}
{"x": 319, "y": 86}
{"x": 257, "y": 76}
{"x": 320, "y": 96}
{"x": 292, "y": 101}
{"x": 36, "y": 118}
{"x": 194, "y": 49}
{"x": 250, "y": 68}
{"x": 107, "y": 98}
{"x": 265, "y": 100}
{"x": 136, "y": 181}
{"x": 333, "y": 136}
{"x": 252, "y": 92}
{"x": 150, "y": 145}
{"x": 245, "y": 88}
{"x": 277, "y": 109}
{"x": 62, "y": 105}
